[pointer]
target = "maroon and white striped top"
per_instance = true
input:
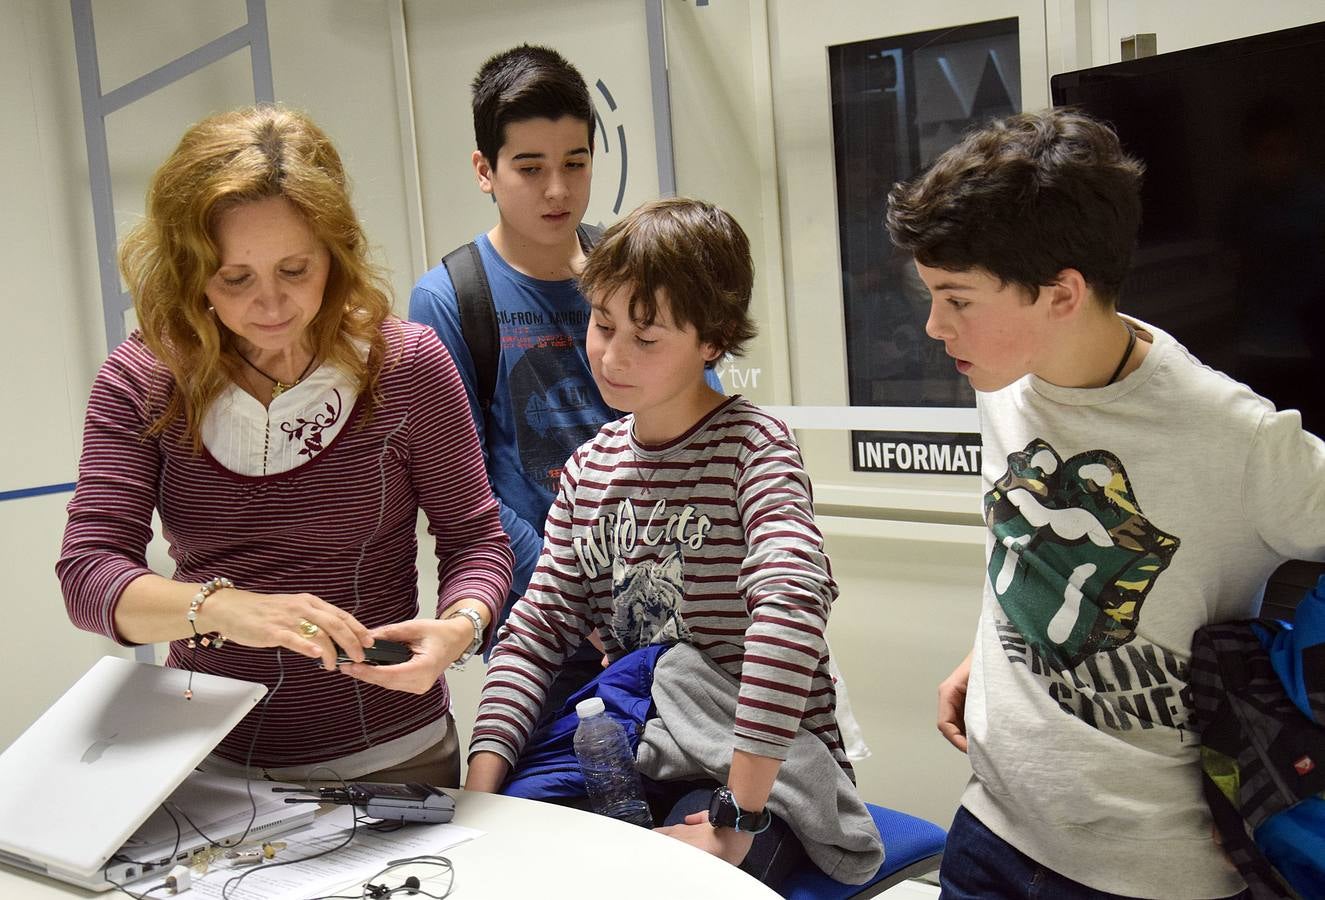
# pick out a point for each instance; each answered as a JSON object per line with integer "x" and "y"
{"x": 340, "y": 526}
{"x": 709, "y": 539}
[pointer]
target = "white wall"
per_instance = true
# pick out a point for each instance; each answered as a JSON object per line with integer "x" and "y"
{"x": 722, "y": 130}
{"x": 1180, "y": 24}
{"x": 909, "y": 591}
{"x": 48, "y": 360}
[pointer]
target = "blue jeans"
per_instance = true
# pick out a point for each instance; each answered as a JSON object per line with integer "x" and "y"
{"x": 980, "y": 865}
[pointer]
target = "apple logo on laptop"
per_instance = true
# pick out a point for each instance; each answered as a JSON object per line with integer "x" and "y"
{"x": 98, "y": 747}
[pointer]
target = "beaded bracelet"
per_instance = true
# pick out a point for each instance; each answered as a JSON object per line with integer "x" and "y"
{"x": 206, "y": 640}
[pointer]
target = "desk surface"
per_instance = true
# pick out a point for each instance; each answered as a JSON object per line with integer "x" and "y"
{"x": 530, "y": 849}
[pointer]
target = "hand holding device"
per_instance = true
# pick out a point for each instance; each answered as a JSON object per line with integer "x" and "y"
{"x": 382, "y": 653}
{"x": 435, "y": 644}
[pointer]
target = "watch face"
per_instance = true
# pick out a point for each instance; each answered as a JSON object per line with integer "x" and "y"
{"x": 724, "y": 813}
{"x": 723, "y": 809}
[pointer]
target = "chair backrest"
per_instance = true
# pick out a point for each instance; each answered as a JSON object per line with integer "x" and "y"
{"x": 912, "y": 846}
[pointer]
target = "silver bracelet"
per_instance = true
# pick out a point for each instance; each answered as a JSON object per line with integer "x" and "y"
{"x": 477, "y": 621}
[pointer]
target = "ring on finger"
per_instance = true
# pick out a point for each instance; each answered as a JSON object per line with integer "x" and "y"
{"x": 308, "y": 629}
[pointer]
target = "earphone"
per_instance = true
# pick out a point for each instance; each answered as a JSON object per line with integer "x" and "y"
{"x": 375, "y": 891}
{"x": 411, "y": 885}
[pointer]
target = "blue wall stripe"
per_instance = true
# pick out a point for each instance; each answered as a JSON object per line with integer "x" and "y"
{"x": 36, "y": 491}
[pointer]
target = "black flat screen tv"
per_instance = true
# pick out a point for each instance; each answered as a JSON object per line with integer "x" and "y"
{"x": 1231, "y": 256}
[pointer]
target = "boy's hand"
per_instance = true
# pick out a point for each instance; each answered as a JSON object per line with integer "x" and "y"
{"x": 598, "y": 645}
{"x": 487, "y": 771}
{"x": 725, "y": 843}
{"x": 952, "y": 705}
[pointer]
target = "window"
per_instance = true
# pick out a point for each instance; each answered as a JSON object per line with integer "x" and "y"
{"x": 898, "y": 103}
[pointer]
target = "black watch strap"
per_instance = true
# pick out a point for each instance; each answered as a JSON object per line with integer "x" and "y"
{"x": 725, "y": 813}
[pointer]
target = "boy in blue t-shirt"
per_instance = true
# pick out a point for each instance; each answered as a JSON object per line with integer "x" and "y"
{"x": 533, "y": 126}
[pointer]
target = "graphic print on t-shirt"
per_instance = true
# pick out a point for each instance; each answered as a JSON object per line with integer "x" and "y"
{"x": 556, "y": 405}
{"x": 646, "y": 602}
{"x": 1074, "y": 555}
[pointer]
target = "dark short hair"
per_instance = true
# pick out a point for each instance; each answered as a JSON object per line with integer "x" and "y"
{"x": 1024, "y": 198}
{"x": 526, "y": 82}
{"x": 693, "y": 251}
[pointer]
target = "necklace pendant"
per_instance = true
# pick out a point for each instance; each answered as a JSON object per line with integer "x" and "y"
{"x": 279, "y": 387}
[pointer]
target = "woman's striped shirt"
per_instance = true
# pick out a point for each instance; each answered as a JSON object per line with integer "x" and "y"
{"x": 340, "y": 526}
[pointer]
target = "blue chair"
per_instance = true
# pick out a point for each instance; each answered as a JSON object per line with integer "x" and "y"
{"x": 912, "y": 847}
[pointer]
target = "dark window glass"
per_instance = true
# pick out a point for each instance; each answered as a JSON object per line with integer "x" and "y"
{"x": 898, "y": 103}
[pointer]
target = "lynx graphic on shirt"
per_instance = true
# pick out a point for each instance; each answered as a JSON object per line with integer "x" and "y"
{"x": 646, "y": 602}
{"x": 1074, "y": 555}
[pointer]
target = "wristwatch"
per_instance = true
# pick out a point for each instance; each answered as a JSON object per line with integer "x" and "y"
{"x": 724, "y": 813}
{"x": 477, "y": 622}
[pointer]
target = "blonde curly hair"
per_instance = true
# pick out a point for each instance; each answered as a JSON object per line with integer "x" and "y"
{"x": 247, "y": 154}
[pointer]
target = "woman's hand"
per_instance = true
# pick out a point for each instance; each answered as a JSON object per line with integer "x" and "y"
{"x": 284, "y": 620}
{"x": 724, "y": 843}
{"x": 436, "y": 643}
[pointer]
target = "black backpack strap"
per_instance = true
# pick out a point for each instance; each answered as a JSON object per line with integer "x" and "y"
{"x": 478, "y": 317}
{"x": 589, "y": 235}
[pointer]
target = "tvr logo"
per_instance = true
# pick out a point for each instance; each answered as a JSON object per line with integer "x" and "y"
{"x": 734, "y": 376}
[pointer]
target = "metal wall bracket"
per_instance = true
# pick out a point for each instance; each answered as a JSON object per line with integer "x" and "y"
{"x": 97, "y": 106}
{"x": 1135, "y": 46}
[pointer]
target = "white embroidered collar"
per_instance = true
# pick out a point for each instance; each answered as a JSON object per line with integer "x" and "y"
{"x": 250, "y": 439}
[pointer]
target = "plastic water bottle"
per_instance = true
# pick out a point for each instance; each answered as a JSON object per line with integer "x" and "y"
{"x": 608, "y": 766}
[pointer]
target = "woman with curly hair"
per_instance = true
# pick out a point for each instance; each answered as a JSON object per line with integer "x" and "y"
{"x": 287, "y": 429}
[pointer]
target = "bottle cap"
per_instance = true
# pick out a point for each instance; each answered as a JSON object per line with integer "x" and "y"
{"x": 589, "y": 706}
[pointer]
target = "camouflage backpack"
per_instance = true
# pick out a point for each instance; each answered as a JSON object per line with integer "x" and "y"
{"x": 1259, "y": 693}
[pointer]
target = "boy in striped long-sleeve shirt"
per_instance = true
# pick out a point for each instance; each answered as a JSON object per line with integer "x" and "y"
{"x": 687, "y": 520}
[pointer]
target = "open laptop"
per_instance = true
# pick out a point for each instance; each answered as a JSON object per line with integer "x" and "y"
{"x": 78, "y": 784}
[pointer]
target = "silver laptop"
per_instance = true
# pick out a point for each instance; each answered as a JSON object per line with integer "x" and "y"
{"x": 78, "y": 784}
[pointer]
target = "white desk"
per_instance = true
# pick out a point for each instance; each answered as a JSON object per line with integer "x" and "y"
{"x": 529, "y": 850}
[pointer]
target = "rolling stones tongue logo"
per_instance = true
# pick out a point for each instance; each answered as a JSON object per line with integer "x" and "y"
{"x": 1074, "y": 556}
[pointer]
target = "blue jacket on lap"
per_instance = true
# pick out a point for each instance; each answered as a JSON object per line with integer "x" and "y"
{"x": 547, "y": 769}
